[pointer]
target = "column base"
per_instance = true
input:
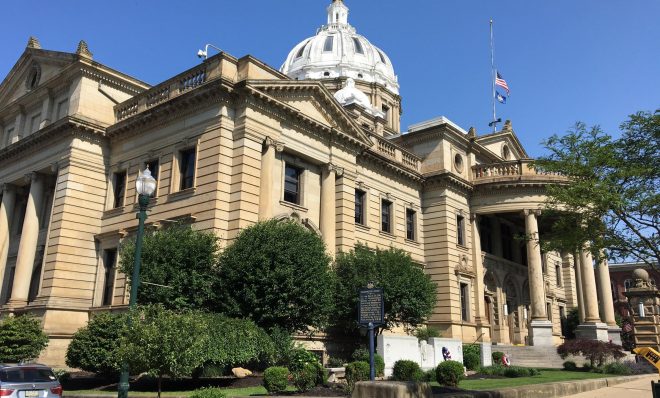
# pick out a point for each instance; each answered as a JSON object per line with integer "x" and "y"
{"x": 614, "y": 334}
{"x": 13, "y": 304}
{"x": 540, "y": 333}
{"x": 592, "y": 331}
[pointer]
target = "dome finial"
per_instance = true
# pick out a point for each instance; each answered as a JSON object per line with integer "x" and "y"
{"x": 337, "y": 13}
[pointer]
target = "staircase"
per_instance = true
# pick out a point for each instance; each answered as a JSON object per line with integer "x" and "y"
{"x": 536, "y": 357}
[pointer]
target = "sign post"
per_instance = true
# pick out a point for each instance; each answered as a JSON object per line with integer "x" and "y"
{"x": 371, "y": 313}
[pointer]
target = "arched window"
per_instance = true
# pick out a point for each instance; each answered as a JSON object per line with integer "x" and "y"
{"x": 358, "y": 46}
{"x": 328, "y": 44}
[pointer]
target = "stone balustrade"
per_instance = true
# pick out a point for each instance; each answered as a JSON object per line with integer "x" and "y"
{"x": 511, "y": 168}
{"x": 396, "y": 153}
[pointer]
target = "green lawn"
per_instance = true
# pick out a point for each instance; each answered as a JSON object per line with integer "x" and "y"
{"x": 546, "y": 376}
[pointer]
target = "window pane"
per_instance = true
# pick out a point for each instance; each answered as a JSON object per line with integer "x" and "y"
{"x": 154, "y": 169}
{"x": 291, "y": 184}
{"x": 410, "y": 224}
{"x": 460, "y": 230}
{"x": 358, "y": 46}
{"x": 386, "y": 216}
{"x": 464, "y": 301}
{"x": 109, "y": 282}
{"x": 359, "y": 207}
{"x": 120, "y": 187}
{"x": 187, "y": 168}
{"x": 327, "y": 46}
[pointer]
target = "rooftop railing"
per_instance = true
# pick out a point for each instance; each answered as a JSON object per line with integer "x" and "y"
{"x": 394, "y": 152}
{"x": 510, "y": 168}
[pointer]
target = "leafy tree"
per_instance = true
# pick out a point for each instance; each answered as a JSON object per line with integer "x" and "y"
{"x": 409, "y": 294}
{"x": 613, "y": 200}
{"x": 597, "y": 352}
{"x": 94, "y": 348}
{"x": 21, "y": 338}
{"x": 163, "y": 342}
{"x": 277, "y": 274}
{"x": 179, "y": 267}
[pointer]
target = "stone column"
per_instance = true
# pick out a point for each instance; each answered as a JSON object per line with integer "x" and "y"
{"x": 267, "y": 177}
{"x": 6, "y": 213}
{"x": 613, "y": 331}
{"x": 328, "y": 205}
{"x": 478, "y": 286}
{"x": 28, "y": 246}
{"x": 578, "y": 286}
{"x": 540, "y": 328}
{"x": 592, "y": 327}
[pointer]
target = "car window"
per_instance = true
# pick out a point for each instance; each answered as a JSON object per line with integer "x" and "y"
{"x": 27, "y": 375}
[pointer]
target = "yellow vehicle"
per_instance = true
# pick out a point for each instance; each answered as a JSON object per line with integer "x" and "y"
{"x": 650, "y": 355}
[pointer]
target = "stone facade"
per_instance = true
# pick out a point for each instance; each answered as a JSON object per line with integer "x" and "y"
{"x": 232, "y": 141}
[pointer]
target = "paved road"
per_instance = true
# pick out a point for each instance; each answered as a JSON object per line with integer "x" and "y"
{"x": 640, "y": 388}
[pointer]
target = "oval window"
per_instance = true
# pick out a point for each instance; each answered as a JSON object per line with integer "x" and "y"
{"x": 458, "y": 162}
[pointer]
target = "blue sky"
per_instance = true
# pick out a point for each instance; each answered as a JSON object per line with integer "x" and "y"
{"x": 564, "y": 60}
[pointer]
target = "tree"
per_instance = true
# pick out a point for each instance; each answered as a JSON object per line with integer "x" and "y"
{"x": 95, "y": 347}
{"x": 21, "y": 338}
{"x": 613, "y": 199}
{"x": 409, "y": 294}
{"x": 277, "y": 274}
{"x": 163, "y": 342}
{"x": 179, "y": 267}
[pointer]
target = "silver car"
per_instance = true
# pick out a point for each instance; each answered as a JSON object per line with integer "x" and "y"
{"x": 28, "y": 381}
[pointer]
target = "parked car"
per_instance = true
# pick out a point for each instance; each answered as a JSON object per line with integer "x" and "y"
{"x": 28, "y": 381}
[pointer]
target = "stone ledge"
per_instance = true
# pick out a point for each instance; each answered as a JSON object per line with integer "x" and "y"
{"x": 391, "y": 389}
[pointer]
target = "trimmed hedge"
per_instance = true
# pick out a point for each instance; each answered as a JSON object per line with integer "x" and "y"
{"x": 471, "y": 360}
{"x": 362, "y": 354}
{"x": 449, "y": 373}
{"x": 569, "y": 365}
{"x": 510, "y": 371}
{"x": 405, "y": 370}
{"x": 356, "y": 371}
{"x": 276, "y": 379}
{"x": 94, "y": 347}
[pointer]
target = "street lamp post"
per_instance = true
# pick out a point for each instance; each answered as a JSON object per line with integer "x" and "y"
{"x": 145, "y": 186}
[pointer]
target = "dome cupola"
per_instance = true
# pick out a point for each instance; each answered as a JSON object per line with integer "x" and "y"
{"x": 338, "y": 51}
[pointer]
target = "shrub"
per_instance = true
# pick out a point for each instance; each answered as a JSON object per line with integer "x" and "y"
{"x": 449, "y": 373}
{"x": 208, "y": 392}
{"x": 21, "y": 338}
{"x": 356, "y": 371}
{"x": 638, "y": 368}
{"x": 282, "y": 345}
{"x": 305, "y": 379}
{"x": 426, "y": 332}
{"x": 299, "y": 358}
{"x": 405, "y": 370}
{"x": 497, "y": 357}
{"x": 335, "y": 362}
{"x": 471, "y": 360}
{"x": 62, "y": 375}
{"x": 429, "y": 375}
{"x": 276, "y": 379}
{"x": 617, "y": 368}
{"x": 473, "y": 349}
{"x": 362, "y": 354}
{"x": 570, "y": 365}
{"x": 93, "y": 348}
{"x": 596, "y": 351}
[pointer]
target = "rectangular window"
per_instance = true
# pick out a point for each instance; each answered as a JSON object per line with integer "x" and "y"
{"x": 292, "y": 184}
{"x": 558, "y": 272}
{"x": 548, "y": 310}
{"x": 328, "y": 44}
{"x": 460, "y": 229}
{"x": 359, "y": 206}
{"x": 186, "y": 168}
{"x": 119, "y": 181}
{"x": 153, "y": 169}
{"x": 465, "y": 293}
{"x": 410, "y": 224}
{"x": 386, "y": 216}
{"x": 109, "y": 266}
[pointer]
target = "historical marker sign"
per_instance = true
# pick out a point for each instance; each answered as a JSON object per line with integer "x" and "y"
{"x": 371, "y": 308}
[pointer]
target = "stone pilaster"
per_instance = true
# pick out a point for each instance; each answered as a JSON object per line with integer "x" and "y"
{"x": 28, "y": 246}
{"x": 266, "y": 174}
{"x": 328, "y": 205}
{"x": 6, "y": 212}
{"x": 540, "y": 328}
{"x": 592, "y": 327}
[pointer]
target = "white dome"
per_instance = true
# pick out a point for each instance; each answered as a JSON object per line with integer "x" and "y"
{"x": 338, "y": 51}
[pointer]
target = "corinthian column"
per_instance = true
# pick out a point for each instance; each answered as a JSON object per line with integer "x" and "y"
{"x": 613, "y": 331}
{"x": 592, "y": 327}
{"x": 540, "y": 328}
{"x": 328, "y": 204}
{"x": 6, "y": 212}
{"x": 28, "y": 245}
{"x": 266, "y": 178}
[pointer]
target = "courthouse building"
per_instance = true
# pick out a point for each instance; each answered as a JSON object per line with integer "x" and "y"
{"x": 232, "y": 141}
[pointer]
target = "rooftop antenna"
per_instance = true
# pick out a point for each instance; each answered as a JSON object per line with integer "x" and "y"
{"x": 205, "y": 52}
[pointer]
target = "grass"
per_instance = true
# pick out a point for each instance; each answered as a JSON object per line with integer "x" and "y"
{"x": 231, "y": 392}
{"x": 546, "y": 376}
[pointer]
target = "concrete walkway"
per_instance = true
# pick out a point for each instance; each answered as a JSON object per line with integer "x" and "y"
{"x": 640, "y": 388}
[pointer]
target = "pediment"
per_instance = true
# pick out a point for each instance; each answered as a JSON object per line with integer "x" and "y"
{"x": 314, "y": 101}
{"x": 497, "y": 142}
{"x": 33, "y": 68}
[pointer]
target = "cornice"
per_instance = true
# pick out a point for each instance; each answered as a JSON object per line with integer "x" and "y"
{"x": 446, "y": 179}
{"x": 373, "y": 156}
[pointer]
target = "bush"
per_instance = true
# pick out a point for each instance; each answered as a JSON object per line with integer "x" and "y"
{"x": 426, "y": 332}
{"x": 356, "y": 371}
{"x": 305, "y": 378}
{"x": 21, "y": 338}
{"x": 471, "y": 360}
{"x": 335, "y": 362}
{"x": 570, "y": 365}
{"x": 472, "y": 348}
{"x": 510, "y": 371}
{"x": 93, "y": 348}
{"x": 362, "y": 354}
{"x": 449, "y": 373}
{"x": 282, "y": 344}
{"x": 208, "y": 392}
{"x": 276, "y": 379}
{"x": 596, "y": 351}
{"x": 62, "y": 375}
{"x": 405, "y": 370}
{"x": 429, "y": 375}
{"x": 638, "y": 368}
{"x": 617, "y": 368}
{"x": 299, "y": 358}
{"x": 497, "y": 357}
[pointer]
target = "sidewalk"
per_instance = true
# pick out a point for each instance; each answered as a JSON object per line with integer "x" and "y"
{"x": 640, "y": 388}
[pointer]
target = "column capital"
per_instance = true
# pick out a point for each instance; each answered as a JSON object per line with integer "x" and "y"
{"x": 331, "y": 167}
{"x": 7, "y": 188}
{"x": 30, "y": 177}
{"x": 278, "y": 145}
{"x": 536, "y": 212}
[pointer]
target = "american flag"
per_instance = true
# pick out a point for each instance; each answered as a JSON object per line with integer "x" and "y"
{"x": 499, "y": 81}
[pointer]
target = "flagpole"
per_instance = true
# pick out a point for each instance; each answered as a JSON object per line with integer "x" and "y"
{"x": 492, "y": 75}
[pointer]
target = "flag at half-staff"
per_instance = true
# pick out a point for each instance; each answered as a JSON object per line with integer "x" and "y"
{"x": 500, "y": 82}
